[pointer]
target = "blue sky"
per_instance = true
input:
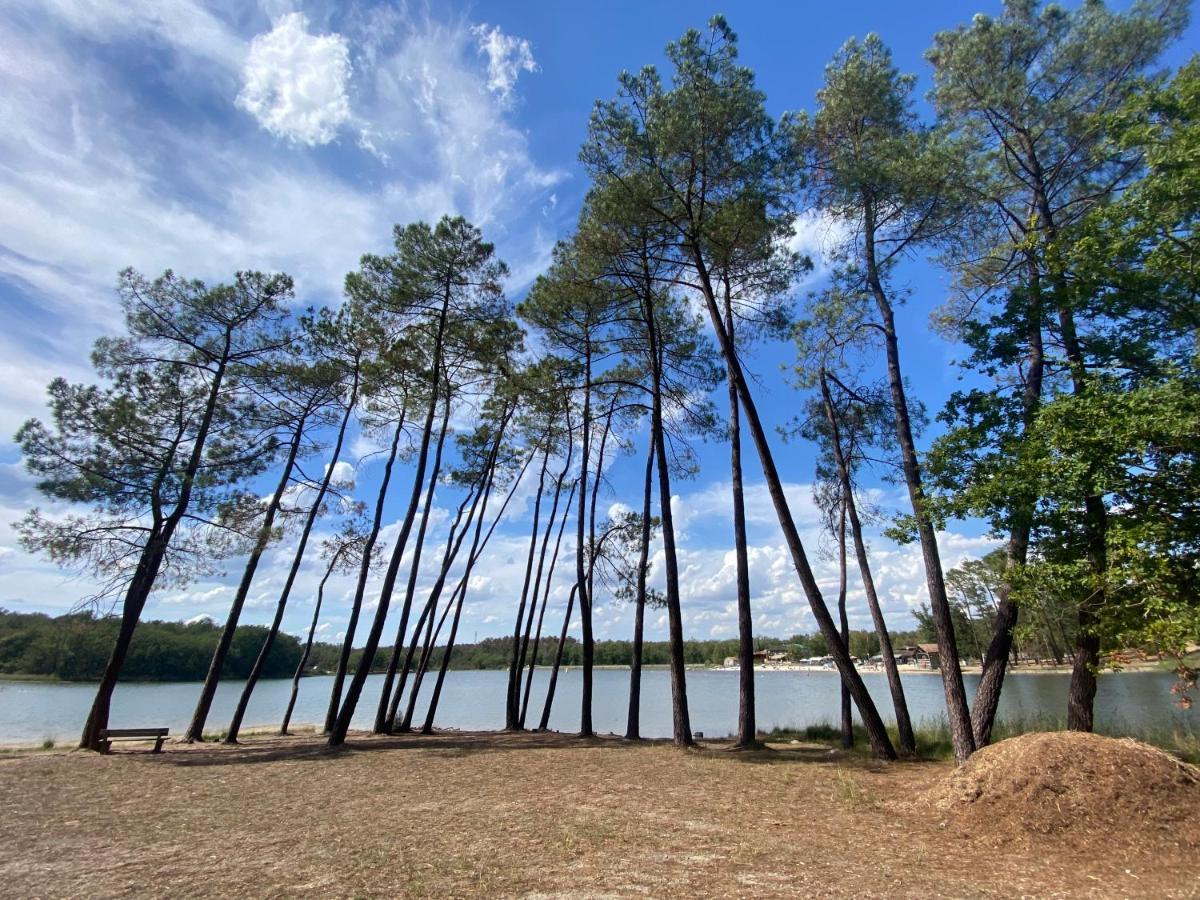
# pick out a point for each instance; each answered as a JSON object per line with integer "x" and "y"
{"x": 212, "y": 137}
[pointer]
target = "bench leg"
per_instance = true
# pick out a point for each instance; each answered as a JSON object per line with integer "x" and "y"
{"x": 106, "y": 747}
{"x": 158, "y": 746}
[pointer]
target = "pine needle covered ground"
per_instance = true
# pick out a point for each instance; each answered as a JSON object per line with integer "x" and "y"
{"x": 497, "y": 814}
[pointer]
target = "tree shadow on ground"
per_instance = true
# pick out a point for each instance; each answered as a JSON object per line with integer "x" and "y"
{"x": 441, "y": 743}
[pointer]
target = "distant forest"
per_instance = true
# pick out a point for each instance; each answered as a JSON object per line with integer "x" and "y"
{"x": 75, "y": 647}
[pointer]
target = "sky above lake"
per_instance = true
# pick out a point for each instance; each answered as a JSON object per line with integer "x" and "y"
{"x": 215, "y": 137}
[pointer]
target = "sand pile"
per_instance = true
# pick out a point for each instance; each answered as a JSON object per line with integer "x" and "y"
{"x": 1074, "y": 785}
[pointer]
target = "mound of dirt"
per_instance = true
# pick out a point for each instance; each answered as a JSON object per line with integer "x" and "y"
{"x": 1073, "y": 785}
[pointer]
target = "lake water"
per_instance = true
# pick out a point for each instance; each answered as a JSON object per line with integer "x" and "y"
{"x": 31, "y": 712}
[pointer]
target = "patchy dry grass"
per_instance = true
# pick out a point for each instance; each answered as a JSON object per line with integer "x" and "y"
{"x": 495, "y": 814}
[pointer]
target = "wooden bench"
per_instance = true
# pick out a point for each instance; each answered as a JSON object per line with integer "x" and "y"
{"x": 158, "y": 735}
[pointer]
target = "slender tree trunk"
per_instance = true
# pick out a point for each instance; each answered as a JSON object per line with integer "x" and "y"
{"x": 908, "y": 745}
{"x": 512, "y": 707}
{"x": 633, "y": 724}
{"x": 364, "y": 570}
{"x": 458, "y": 597}
{"x": 195, "y": 731}
{"x": 957, "y": 711}
{"x": 747, "y": 729}
{"x": 150, "y": 561}
{"x": 589, "y": 643}
{"x": 537, "y": 640}
{"x": 260, "y": 661}
{"x": 847, "y": 715}
{"x": 544, "y": 724}
{"x": 453, "y": 542}
{"x": 585, "y": 610}
{"x": 427, "y": 727}
{"x": 881, "y": 744}
{"x": 338, "y": 735}
{"x": 681, "y": 724}
{"x": 312, "y": 633}
{"x": 381, "y": 717}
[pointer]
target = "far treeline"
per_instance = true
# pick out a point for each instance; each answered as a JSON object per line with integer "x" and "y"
{"x": 75, "y": 647}
{"x": 1054, "y": 181}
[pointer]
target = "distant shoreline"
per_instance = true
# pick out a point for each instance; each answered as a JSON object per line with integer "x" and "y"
{"x": 1146, "y": 666}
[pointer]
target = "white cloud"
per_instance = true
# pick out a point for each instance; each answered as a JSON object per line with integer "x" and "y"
{"x": 507, "y": 57}
{"x": 295, "y": 82}
{"x": 343, "y": 474}
{"x": 818, "y": 236}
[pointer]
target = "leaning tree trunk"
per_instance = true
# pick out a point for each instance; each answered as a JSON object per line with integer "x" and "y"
{"x": 908, "y": 744}
{"x": 338, "y": 735}
{"x": 537, "y": 640}
{"x": 312, "y": 633}
{"x": 260, "y": 661}
{"x": 680, "y": 721}
{"x": 585, "y": 729}
{"x": 427, "y": 727}
{"x": 544, "y": 724}
{"x": 747, "y": 729}
{"x": 633, "y": 723}
{"x": 364, "y": 570}
{"x": 131, "y": 611}
{"x": 195, "y": 731}
{"x": 512, "y": 708}
{"x": 881, "y": 744}
{"x": 381, "y": 718}
{"x": 847, "y": 715}
{"x": 453, "y": 542}
{"x": 585, "y": 609}
{"x": 957, "y": 711}
{"x": 150, "y": 562}
{"x": 459, "y": 595}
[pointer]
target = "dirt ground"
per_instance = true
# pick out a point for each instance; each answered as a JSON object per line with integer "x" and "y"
{"x": 535, "y": 815}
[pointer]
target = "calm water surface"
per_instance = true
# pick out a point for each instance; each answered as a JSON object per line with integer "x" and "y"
{"x": 31, "y": 712}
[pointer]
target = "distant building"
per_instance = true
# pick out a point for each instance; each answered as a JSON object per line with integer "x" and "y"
{"x": 927, "y": 656}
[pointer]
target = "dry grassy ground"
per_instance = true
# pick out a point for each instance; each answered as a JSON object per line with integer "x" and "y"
{"x": 472, "y": 814}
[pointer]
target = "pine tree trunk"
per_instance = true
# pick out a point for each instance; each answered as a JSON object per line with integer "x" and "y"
{"x": 260, "y": 661}
{"x": 131, "y": 611}
{"x": 844, "y": 621}
{"x": 338, "y": 735}
{"x": 585, "y": 610}
{"x": 453, "y": 543}
{"x": 195, "y": 730}
{"x": 881, "y": 744}
{"x": 633, "y": 724}
{"x": 747, "y": 729}
{"x": 364, "y": 569}
{"x": 995, "y": 658}
{"x": 908, "y": 745}
{"x": 476, "y": 549}
{"x": 680, "y": 720}
{"x": 544, "y": 724}
{"x": 957, "y": 711}
{"x": 533, "y": 658}
{"x": 312, "y": 633}
{"x": 382, "y": 724}
{"x": 512, "y": 706}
